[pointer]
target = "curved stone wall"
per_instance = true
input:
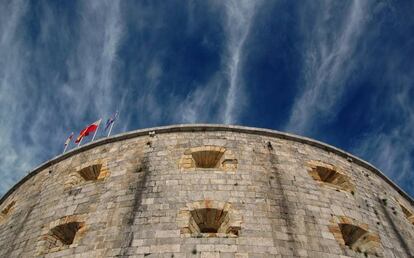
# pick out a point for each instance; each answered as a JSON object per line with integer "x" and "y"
{"x": 206, "y": 191}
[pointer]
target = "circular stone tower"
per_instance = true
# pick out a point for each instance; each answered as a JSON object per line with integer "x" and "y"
{"x": 206, "y": 191}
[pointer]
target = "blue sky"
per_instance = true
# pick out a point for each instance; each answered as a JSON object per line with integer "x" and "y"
{"x": 338, "y": 71}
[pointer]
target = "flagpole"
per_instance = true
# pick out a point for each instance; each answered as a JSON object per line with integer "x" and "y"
{"x": 66, "y": 146}
{"x": 80, "y": 141}
{"x": 113, "y": 122}
{"x": 96, "y": 130}
{"x": 110, "y": 128}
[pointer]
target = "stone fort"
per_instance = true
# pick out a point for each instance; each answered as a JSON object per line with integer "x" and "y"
{"x": 206, "y": 191}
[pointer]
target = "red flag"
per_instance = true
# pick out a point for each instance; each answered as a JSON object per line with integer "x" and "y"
{"x": 89, "y": 129}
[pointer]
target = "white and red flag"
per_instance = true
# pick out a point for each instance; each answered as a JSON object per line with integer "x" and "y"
{"x": 68, "y": 141}
{"x": 87, "y": 130}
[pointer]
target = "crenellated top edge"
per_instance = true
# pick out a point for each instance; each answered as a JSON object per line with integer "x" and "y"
{"x": 207, "y": 127}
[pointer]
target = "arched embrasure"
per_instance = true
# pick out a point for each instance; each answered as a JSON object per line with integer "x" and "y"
{"x": 91, "y": 172}
{"x": 407, "y": 213}
{"x": 209, "y": 219}
{"x": 208, "y": 157}
{"x": 356, "y": 236}
{"x": 5, "y": 212}
{"x": 66, "y": 233}
{"x": 329, "y": 175}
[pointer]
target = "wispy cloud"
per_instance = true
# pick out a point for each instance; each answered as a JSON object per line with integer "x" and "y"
{"x": 239, "y": 19}
{"x": 13, "y": 65}
{"x": 199, "y": 105}
{"x": 92, "y": 66}
{"x": 225, "y": 90}
{"x": 392, "y": 150}
{"x": 148, "y": 101}
{"x": 36, "y": 85}
{"x": 330, "y": 50}
{"x": 331, "y": 56}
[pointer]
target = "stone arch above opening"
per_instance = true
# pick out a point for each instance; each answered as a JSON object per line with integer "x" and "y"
{"x": 409, "y": 214}
{"x": 5, "y": 212}
{"x": 94, "y": 170}
{"x": 61, "y": 234}
{"x": 355, "y": 235}
{"x": 330, "y": 176}
{"x": 208, "y": 157}
{"x": 90, "y": 173}
{"x": 66, "y": 232}
{"x": 209, "y": 219}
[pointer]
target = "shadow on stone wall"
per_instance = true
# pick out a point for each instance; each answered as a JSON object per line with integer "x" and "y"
{"x": 19, "y": 229}
{"x": 397, "y": 232}
{"x": 138, "y": 188}
{"x": 276, "y": 177}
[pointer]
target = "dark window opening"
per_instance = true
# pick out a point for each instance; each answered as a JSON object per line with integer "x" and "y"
{"x": 91, "y": 172}
{"x": 408, "y": 214}
{"x": 8, "y": 208}
{"x": 332, "y": 177}
{"x": 351, "y": 234}
{"x": 66, "y": 233}
{"x": 212, "y": 222}
{"x": 208, "y": 230}
{"x": 358, "y": 239}
{"x": 207, "y": 158}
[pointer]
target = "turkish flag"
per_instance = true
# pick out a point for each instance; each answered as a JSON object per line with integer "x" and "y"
{"x": 89, "y": 129}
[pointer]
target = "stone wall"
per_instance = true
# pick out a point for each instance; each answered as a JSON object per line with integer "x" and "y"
{"x": 203, "y": 191}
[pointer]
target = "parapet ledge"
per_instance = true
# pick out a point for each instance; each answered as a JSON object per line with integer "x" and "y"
{"x": 152, "y": 132}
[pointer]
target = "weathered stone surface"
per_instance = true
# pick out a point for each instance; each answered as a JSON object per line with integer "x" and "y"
{"x": 206, "y": 191}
